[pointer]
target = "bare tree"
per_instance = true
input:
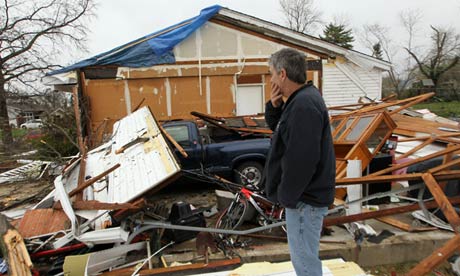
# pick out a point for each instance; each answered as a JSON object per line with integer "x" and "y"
{"x": 443, "y": 55}
{"x": 301, "y": 15}
{"x": 401, "y": 74}
{"x": 32, "y": 35}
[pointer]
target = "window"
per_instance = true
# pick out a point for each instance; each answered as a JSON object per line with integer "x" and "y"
{"x": 180, "y": 134}
{"x": 359, "y": 128}
{"x": 378, "y": 136}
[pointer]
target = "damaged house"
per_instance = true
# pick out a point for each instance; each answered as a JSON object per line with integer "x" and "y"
{"x": 215, "y": 63}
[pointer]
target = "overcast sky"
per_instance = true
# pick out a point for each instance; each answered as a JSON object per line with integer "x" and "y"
{"x": 120, "y": 21}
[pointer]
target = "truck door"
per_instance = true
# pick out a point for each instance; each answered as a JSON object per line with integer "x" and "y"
{"x": 184, "y": 137}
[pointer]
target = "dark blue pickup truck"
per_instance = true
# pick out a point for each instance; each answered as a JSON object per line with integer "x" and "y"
{"x": 229, "y": 155}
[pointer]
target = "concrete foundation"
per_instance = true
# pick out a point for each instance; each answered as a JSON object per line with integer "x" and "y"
{"x": 400, "y": 248}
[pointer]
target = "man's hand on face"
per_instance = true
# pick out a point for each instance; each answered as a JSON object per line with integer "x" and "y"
{"x": 276, "y": 96}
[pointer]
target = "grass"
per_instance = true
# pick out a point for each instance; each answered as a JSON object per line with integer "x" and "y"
{"x": 16, "y": 132}
{"x": 443, "y": 109}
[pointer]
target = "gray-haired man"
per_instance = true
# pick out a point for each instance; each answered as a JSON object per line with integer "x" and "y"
{"x": 300, "y": 168}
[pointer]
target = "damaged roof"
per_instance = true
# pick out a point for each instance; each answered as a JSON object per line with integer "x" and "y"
{"x": 157, "y": 48}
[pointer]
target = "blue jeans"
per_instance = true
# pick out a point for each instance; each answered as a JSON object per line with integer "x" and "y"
{"x": 304, "y": 231}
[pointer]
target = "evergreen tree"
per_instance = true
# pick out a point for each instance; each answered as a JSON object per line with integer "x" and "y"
{"x": 377, "y": 51}
{"x": 338, "y": 34}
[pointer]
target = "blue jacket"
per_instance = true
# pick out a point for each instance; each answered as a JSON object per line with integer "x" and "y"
{"x": 301, "y": 161}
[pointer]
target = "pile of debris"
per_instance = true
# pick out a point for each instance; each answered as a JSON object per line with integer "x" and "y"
{"x": 99, "y": 212}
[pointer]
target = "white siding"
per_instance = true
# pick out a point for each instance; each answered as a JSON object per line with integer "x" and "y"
{"x": 344, "y": 84}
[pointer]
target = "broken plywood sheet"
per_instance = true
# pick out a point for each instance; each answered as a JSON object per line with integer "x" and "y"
{"x": 334, "y": 267}
{"x": 412, "y": 126}
{"x": 42, "y": 221}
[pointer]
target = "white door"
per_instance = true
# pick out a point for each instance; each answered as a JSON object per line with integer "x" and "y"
{"x": 249, "y": 99}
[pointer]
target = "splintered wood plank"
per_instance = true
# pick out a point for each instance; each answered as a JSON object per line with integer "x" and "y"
{"x": 447, "y": 158}
{"x": 444, "y": 166}
{"x": 13, "y": 249}
{"x": 442, "y": 200}
{"x": 416, "y": 161}
{"x": 249, "y": 122}
{"x": 417, "y": 148}
{"x": 416, "y": 100}
{"x": 168, "y": 270}
{"x": 91, "y": 181}
{"x": 436, "y": 258}
{"x": 97, "y": 205}
{"x": 441, "y": 176}
{"x": 384, "y": 212}
{"x": 404, "y": 226}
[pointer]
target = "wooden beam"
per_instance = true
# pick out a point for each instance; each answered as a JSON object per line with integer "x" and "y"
{"x": 444, "y": 166}
{"x": 417, "y": 148}
{"x": 404, "y": 226}
{"x": 421, "y": 98}
{"x": 97, "y": 205}
{"x": 416, "y": 161}
{"x": 76, "y": 108}
{"x": 406, "y": 103}
{"x": 80, "y": 139}
{"x": 443, "y": 202}
{"x": 340, "y": 107}
{"x": 402, "y": 140}
{"x": 82, "y": 171}
{"x": 168, "y": 270}
{"x": 120, "y": 214}
{"x": 171, "y": 139}
{"x": 446, "y": 175}
{"x": 131, "y": 143}
{"x": 253, "y": 130}
{"x": 436, "y": 258}
{"x": 249, "y": 121}
{"x": 384, "y": 212}
{"x": 92, "y": 180}
{"x": 447, "y": 158}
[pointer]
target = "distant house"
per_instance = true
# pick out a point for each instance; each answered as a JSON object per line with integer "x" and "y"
{"x": 215, "y": 63}
{"x": 21, "y": 113}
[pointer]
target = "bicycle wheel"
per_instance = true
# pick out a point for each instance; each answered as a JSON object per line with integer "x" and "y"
{"x": 232, "y": 217}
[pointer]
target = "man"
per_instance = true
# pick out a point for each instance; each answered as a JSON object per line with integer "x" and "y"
{"x": 300, "y": 168}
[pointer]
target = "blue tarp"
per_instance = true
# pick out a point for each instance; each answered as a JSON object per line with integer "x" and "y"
{"x": 152, "y": 49}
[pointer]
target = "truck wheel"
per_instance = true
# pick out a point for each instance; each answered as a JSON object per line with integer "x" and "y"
{"x": 249, "y": 172}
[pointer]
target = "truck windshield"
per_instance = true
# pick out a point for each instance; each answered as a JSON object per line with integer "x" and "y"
{"x": 180, "y": 134}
